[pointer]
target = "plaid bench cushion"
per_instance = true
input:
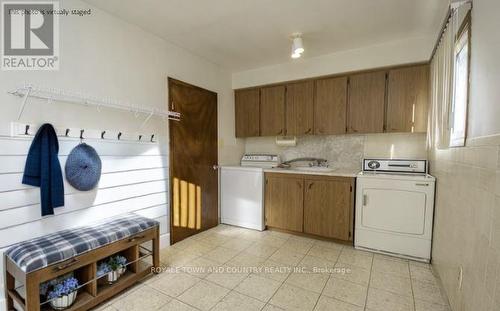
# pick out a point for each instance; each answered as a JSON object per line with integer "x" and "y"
{"x": 41, "y": 252}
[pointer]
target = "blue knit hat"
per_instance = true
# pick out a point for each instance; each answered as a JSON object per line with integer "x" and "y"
{"x": 83, "y": 167}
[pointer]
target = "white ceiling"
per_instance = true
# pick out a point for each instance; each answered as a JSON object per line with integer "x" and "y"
{"x": 246, "y": 34}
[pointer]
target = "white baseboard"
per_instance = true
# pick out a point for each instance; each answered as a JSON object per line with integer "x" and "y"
{"x": 164, "y": 240}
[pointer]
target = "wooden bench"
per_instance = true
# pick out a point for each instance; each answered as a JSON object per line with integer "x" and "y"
{"x": 34, "y": 269}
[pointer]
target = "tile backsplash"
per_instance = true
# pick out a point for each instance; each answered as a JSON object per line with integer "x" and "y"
{"x": 346, "y": 151}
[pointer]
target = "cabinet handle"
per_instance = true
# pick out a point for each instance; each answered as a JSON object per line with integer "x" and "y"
{"x": 299, "y": 184}
{"x": 67, "y": 265}
{"x": 365, "y": 199}
{"x": 310, "y": 185}
{"x": 308, "y": 131}
{"x": 136, "y": 238}
{"x": 422, "y": 184}
{"x": 280, "y": 132}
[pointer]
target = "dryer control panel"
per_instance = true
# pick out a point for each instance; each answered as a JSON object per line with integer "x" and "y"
{"x": 395, "y": 166}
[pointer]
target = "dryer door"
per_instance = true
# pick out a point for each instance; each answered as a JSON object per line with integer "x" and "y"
{"x": 397, "y": 211}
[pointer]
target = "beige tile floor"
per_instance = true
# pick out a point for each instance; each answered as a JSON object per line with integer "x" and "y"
{"x": 230, "y": 268}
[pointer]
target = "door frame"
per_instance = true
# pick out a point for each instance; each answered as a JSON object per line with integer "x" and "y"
{"x": 171, "y": 107}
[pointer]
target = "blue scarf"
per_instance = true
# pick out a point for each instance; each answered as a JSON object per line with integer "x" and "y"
{"x": 43, "y": 170}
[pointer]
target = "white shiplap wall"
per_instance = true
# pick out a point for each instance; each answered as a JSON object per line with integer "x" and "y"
{"x": 134, "y": 179}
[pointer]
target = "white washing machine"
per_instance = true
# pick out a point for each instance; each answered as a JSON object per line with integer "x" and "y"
{"x": 242, "y": 191}
{"x": 395, "y": 208}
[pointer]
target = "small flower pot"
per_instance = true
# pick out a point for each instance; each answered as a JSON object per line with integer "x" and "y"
{"x": 63, "y": 302}
{"x": 113, "y": 276}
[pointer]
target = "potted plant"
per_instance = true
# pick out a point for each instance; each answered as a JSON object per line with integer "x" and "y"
{"x": 114, "y": 267}
{"x": 63, "y": 294}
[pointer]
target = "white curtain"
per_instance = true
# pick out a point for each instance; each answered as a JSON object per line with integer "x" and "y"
{"x": 441, "y": 86}
{"x": 442, "y": 63}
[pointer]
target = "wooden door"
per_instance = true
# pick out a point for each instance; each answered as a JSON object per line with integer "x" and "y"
{"x": 299, "y": 108}
{"x": 330, "y": 107}
{"x": 247, "y": 112}
{"x": 284, "y": 196}
{"x": 272, "y": 111}
{"x": 328, "y": 207}
{"x": 193, "y": 160}
{"x": 407, "y": 99}
{"x": 366, "y": 102}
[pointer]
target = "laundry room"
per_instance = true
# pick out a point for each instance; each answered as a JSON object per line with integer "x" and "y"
{"x": 250, "y": 155}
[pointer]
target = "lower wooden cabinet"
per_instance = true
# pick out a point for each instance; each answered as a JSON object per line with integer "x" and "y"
{"x": 312, "y": 204}
{"x": 284, "y": 197}
{"x": 327, "y": 207}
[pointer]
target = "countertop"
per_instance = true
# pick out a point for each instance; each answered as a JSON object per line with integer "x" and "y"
{"x": 334, "y": 172}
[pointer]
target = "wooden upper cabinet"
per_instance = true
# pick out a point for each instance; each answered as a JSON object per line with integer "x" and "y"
{"x": 408, "y": 98}
{"x": 330, "y": 107}
{"x": 284, "y": 196}
{"x": 366, "y": 102}
{"x": 328, "y": 207}
{"x": 247, "y": 112}
{"x": 272, "y": 111}
{"x": 299, "y": 108}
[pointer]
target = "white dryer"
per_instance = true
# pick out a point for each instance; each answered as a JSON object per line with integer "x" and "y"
{"x": 395, "y": 208}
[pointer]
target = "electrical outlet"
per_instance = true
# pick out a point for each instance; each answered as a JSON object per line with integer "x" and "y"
{"x": 460, "y": 277}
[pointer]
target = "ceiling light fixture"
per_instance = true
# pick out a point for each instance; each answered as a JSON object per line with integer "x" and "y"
{"x": 297, "y": 46}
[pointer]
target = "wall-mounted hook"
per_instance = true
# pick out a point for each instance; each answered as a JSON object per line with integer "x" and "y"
{"x": 119, "y": 135}
{"x": 27, "y": 129}
{"x": 152, "y": 137}
{"x": 67, "y": 133}
{"x": 102, "y": 134}
{"x": 81, "y": 134}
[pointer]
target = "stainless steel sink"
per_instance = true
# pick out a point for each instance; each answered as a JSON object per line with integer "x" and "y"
{"x": 314, "y": 169}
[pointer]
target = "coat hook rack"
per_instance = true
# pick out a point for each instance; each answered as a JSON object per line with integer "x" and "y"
{"x": 29, "y": 130}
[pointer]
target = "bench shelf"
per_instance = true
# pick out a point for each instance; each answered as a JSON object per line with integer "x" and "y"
{"x": 84, "y": 267}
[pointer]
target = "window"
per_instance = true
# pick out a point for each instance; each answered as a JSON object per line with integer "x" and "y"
{"x": 460, "y": 98}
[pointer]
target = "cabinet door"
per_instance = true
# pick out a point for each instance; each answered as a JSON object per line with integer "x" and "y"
{"x": 366, "y": 102}
{"x": 247, "y": 112}
{"x": 284, "y": 202}
{"x": 408, "y": 98}
{"x": 328, "y": 208}
{"x": 272, "y": 111}
{"x": 299, "y": 108}
{"x": 330, "y": 107}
